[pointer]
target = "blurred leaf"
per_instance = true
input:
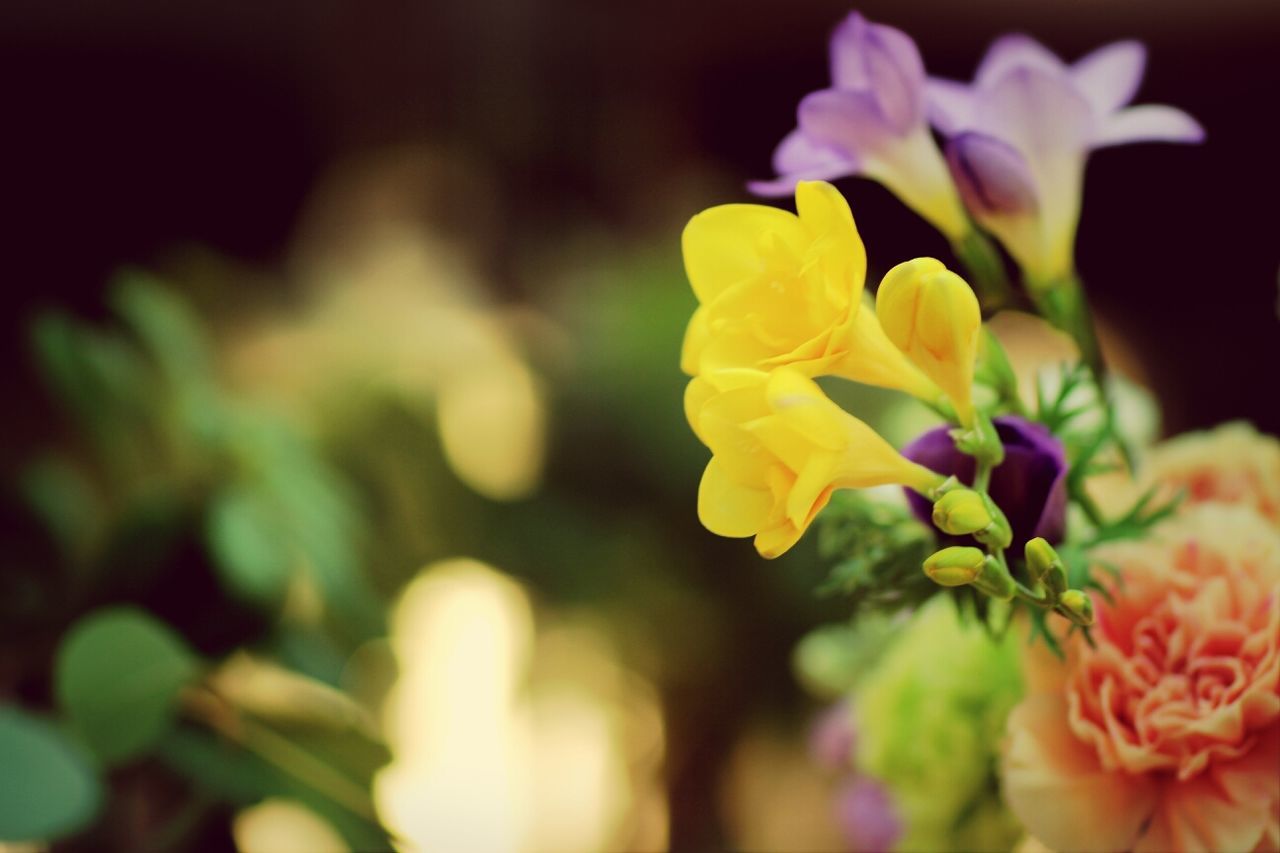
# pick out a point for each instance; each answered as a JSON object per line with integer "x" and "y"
{"x": 252, "y": 553}
{"x": 117, "y": 676}
{"x": 47, "y": 787}
{"x": 242, "y": 778}
{"x": 167, "y": 328}
{"x": 64, "y": 500}
{"x": 92, "y": 372}
{"x": 829, "y": 660}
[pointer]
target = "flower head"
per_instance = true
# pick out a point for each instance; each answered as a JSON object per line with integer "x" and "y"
{"x": 1165, "y": 734}
{"x": 929, "y": 717}
{"x": 1030, "y": 485}
{"x": 1020, "y": 134}
{"x": 780, "y": 448}
{"x": 932, "y": 315}
{"x": 1232, "y": 463}
{"x": 777, "y": 288}
{"x": 871, "y": 122}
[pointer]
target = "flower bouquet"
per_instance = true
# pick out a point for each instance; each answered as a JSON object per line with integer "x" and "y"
{"x": 1065, "y": 635}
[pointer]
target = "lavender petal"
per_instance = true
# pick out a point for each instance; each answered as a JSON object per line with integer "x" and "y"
{"x": 1148, "y": 123}
{"x": 1012, "y": 52}
{"x": 1109, "y": 76}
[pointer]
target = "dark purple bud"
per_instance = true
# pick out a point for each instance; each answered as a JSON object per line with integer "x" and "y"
{"x": 1030, "y": 486}
{"x": 993, "y": 178}
{"x": 867, "y": 817}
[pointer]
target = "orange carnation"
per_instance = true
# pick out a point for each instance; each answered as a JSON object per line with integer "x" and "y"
{"x": 1165, "y": 735}
{"x": 1232, "y": 463}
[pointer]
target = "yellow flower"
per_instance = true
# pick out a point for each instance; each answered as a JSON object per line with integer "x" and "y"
{"x": 777, "y": 288}
{"x": 780, "y": 448}
{"x": 931, "y": 314}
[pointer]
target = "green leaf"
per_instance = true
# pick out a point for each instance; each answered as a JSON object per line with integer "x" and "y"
{"x": 47, "y": 787}
{"x": 253, "y": 554}
{"x": 117, "y": 677}
{"x": 242, "y": 778}
{"x": 165, "y": 324}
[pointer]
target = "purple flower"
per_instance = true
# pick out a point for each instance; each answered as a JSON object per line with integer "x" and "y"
{"x": 1021, "y": 132}
{"x": 870, "y": 122}
{"x": 866, "y": 816}
{"x": 1030, "y": 486}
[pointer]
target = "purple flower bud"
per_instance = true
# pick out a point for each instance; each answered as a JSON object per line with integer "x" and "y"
{"x": 993, "y": 177}
{"x": 866, "y": 816}
{"x": 1030, "y": 486}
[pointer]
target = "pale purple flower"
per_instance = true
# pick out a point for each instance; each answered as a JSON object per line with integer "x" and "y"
{"x": 1021, "y": 132}
{"x": 870, "y": 122}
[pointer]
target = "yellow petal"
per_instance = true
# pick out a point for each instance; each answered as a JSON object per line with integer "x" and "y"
{"x": 777, "y": 540}
{"x": 695, "y": 341}
{"x": 873, "y": 360}
{"x": 705, "y": 388}
{"x": 722, "y": 246}
{"x": 812, "y": 483}
{"x": 728, "y": 508}
{"x": 800, "y": 404}
{"x": 932, "y": 316}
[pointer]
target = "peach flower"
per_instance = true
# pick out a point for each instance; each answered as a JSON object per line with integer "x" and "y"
{"x": 1165, "y": 735}
{"x": 1232, "y": 463}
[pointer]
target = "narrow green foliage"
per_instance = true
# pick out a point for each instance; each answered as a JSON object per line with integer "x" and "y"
{"x": 880, "y": 548}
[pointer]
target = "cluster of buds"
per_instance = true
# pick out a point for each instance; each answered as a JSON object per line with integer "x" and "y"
{"x": 1046, "y": 569}
{"x": 962, "y": 511}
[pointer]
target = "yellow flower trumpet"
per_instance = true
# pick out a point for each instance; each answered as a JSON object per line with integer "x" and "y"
{"x": 780, "y": 448}
{"x": 931, "y": 314}
{"x": 781, "y": 289}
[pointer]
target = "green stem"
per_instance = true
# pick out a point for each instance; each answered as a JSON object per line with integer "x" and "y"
{"x": 982, "y": 476}
{"x": 1062, "y": 302}
{"x": 275, "y": 749}
{"x": 986, "y": 272}
{"x": 1022, "y": 592}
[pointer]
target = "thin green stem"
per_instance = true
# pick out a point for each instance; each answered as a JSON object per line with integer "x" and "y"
{"x": 982, "y": 476}
{"x": 275, "y": 749}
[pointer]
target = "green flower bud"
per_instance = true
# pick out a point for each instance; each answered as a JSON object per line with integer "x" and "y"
{"x": 1046, "y": 566}
{"x": 955, "y": 566}
{"x": 961, "y": 512}
{"x": 1077, "y": 607}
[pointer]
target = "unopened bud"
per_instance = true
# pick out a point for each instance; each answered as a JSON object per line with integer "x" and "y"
{"x": 1077, "y": 607}
{"x": 961, "y": 512}
{"x": 1045, "y": 566}
{"x": 955, "y": 566}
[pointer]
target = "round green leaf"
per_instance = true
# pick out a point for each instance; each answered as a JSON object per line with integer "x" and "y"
{"x": 47, "y": 788}
{"x": 252, "y": 553}
{"x": 118, "y": 676}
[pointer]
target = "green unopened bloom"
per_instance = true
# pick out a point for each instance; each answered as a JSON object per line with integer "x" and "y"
{"x": 961, "y": 512}
{"x": 1046, "y": 566}
{"x": 958, "y": 565}
{"x": 1077, "y": 607}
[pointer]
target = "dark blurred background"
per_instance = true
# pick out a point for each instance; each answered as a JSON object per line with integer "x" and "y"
{"x": 133, "y": 127}
{"x": 564, "y": 131}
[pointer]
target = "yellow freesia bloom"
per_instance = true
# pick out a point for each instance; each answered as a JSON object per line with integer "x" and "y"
{"x": 931, "y": 314}
{"x": 780, "y": 448}
{"x": 777, "y": 288}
